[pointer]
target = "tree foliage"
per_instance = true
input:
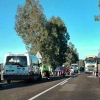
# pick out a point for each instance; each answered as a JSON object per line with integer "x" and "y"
{"x": 56, "y": 44}
{"x": 97, "y": 17}
{"x": 49, "y": 37}
{"x": 30, "y": 23}
{"x": 99, "y": 4}
{"x": 72, "y": 56}
{"x": 81, "y": 63}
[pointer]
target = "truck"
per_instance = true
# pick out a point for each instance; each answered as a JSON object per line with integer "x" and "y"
{"x": 90, "y": 63}
{"x": 21, "y": 66}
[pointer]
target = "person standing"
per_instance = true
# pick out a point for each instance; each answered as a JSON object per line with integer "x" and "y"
{"x": 46, "y": 70}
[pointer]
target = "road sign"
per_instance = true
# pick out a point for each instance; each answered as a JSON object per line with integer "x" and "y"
{"x": 39, "y": 60}
{"x": 38, "y": 55}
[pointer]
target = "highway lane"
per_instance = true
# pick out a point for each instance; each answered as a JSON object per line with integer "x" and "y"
{"x": 77, "y": 87}
{"x": 24, "y": 90}
{"x": 81, "y": 87}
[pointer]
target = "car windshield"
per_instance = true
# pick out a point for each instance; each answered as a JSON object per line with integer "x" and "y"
{"x": 74, "y": 66}
{"x": 90, "y": 60}
{"x": 15, "y": 60}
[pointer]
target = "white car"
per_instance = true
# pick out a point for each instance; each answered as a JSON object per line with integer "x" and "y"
{"x": 71, "y": 70}
{"x": 74, "y": 69}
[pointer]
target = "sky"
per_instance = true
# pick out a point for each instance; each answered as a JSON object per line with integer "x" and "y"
{"x": 78, "y": 16}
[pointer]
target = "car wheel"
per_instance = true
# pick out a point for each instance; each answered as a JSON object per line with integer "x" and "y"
{"x": 8, "y": 81}
{"x": 40, "y": 77}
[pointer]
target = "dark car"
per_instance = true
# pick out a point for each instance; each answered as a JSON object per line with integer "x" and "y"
{"x": 59, "y": 71}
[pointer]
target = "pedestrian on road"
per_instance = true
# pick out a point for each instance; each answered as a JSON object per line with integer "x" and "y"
{"x": 46, "y": 70}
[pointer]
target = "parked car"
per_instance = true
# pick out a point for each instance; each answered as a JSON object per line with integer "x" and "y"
{"x": 71, "y": 70}
{"x": 74, "y": 69}
{"x": 59, "y": 70}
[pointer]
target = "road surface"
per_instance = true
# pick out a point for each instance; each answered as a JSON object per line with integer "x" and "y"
{"x": 79, "y": 87}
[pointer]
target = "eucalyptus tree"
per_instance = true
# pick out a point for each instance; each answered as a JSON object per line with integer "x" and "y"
{"x": 71, "y": 55}
{"x": 97, "y": 17}
{"x": 30, "y": 24}
{"x": 56, "y": 41}
{"x": 50, "y": 37}
{"x": 81, "y": 63}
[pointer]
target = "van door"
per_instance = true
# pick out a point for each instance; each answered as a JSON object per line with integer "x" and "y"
{"x": 16, "y": 65}
{"x": 35, "y": 68}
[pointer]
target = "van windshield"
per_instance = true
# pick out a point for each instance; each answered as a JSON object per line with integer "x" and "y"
{"x": 16, "y": 60}
{"x": 74, "y": 65}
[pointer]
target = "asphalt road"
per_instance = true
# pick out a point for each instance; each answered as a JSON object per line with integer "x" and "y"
{"x": 79, "y": 87}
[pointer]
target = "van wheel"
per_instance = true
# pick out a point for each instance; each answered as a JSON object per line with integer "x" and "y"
{"x": 29, "y": 80}
{"x": 8, "y": 81}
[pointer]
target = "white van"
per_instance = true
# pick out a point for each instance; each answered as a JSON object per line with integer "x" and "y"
{"x": 21, "y": 66}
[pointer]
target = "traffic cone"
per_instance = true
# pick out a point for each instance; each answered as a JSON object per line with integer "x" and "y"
{"x": 78, "y": 72}
{"x": 70, "y": 73}
{"x": 93, "y": 73}
{"x": 58, "y": 74}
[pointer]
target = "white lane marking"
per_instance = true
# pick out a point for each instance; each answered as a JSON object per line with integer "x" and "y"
{"x": 92, "y": 76}
{"x": 63, "y": 82}
{"x": 48, "y": 89}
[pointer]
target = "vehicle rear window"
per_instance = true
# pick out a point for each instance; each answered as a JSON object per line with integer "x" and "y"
{"x": 16, "y": 59}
